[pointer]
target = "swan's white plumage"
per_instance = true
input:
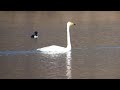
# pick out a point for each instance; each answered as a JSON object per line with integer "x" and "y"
{"x": 53, "y": 48}
{"x": 58, "y": 49}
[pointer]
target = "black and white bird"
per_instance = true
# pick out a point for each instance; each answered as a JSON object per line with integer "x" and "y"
{"x": 35, "y": 35}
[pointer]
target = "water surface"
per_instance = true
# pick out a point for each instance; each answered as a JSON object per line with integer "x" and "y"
{"x": 95, "y": 45}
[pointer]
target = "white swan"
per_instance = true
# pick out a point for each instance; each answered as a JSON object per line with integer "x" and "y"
{"x": 58, "y": 49}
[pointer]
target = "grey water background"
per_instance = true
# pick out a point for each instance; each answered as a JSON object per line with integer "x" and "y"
{"x": 95, "y": 45}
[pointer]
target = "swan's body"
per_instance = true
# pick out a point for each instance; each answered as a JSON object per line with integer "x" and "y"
{"x": 59, "y": 49}
{"x": 53, "y": 48}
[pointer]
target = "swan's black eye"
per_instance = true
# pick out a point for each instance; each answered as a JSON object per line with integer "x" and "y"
{"x": 74, "y": 24}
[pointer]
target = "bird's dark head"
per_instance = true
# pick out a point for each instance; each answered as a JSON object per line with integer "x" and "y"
{"x": 35, "y": 32}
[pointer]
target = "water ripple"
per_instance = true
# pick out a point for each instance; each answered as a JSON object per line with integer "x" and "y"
{"x": 6, "y": 53}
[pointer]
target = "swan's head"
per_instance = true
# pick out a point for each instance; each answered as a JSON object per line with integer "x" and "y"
{"x": 70, "y": 23}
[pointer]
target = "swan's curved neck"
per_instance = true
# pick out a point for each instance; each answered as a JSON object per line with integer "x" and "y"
{"x": 68, "y": 38}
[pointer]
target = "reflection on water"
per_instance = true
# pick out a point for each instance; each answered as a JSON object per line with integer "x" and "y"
{"x": 68, "y": 61}
{"x": 68, "y": 65}
{"x": 66, "y": 56}
{"x": 50, "y": 55}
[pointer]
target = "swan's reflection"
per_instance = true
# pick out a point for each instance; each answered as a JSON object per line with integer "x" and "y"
{"x": 68, "y": 61}
{"x": 68, "y": 65}
{"x": 52, "y": 55}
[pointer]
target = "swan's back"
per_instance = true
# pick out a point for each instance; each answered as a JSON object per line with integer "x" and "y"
{"x": 52, "y": 48}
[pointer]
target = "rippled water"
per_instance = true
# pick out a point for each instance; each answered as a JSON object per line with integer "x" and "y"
{"x": 95, "y": 44}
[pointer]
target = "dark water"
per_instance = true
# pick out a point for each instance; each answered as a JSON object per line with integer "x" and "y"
{"x": 95, "y": 45}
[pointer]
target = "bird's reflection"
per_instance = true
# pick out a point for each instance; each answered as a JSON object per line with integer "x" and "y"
{"x": 67, "y": 55}
{"x": 68, "y": 65}
{"x": 52, "y": 55}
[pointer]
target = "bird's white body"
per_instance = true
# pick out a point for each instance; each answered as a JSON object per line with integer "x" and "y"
{"x": 35, "y": 36}
{"x": 58, "y": 49}
{"x": 54, "y": 49}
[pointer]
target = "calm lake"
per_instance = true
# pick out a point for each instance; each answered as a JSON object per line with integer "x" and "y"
{"x": 95, "y": 43}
